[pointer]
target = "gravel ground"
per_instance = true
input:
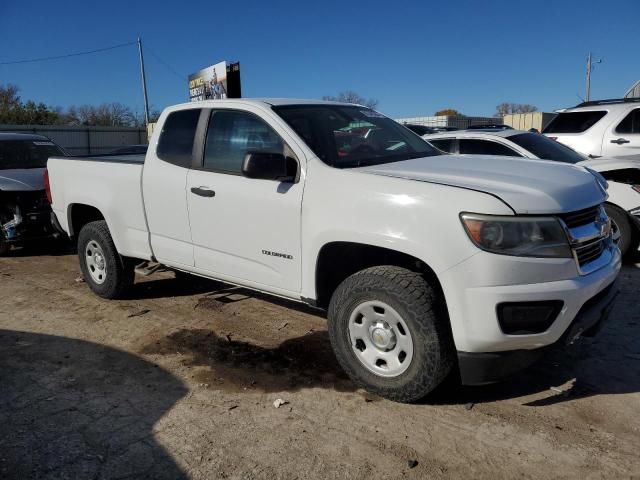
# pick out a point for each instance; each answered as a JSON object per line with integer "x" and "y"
{"x": 179, "y": 380}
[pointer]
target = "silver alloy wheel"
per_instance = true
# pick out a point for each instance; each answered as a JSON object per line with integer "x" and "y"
{"x": 96, "y": 264}
{"x": 380, "y": 339}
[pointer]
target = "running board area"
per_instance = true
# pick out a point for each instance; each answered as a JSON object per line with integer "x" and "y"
{"x": 147, "y": 268}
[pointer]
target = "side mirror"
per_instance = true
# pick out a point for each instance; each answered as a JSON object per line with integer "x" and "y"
{"x": 269, "y": 166}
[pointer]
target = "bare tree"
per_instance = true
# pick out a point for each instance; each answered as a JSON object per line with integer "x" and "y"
{"x": 509, "y": 108}
{"x": 107, "y": 114}
{"x": 349, "y": 96}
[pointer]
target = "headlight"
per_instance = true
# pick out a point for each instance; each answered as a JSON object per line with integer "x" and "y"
{"x": 520, "y": 236}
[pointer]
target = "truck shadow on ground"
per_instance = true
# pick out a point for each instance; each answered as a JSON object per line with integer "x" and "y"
{"x": 75, "y": 409}
{"x": 606, "y": 364}
{"x": 238, "y": 366}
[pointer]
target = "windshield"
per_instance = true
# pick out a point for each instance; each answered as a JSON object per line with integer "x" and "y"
{"x": 18, "y": 154}
{"x": 545, "y": 148}
{"x": 351, "y": 136}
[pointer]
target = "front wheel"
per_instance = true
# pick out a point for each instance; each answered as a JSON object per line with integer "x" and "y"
{"x": 105, "y": 271}
{"x": 623, "y": 226}
{"x": 390, "y": 334}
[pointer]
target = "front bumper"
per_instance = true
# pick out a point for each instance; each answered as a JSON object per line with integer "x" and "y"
{"x": 474, "y": 289}
{"x": 483, "y": 368}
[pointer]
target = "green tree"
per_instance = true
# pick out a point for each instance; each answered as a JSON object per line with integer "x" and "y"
{"x": 14, "y": 111}
{"x": 447, "y": 112}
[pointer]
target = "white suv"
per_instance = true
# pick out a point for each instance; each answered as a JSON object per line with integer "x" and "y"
{"x": 605, "y": 128}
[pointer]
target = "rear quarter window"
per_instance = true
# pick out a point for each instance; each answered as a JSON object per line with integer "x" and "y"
{"x": 444, "y": 144}
{"x": 176, "y": 139}
{"x": 574, "y": 122}
{"x": 631, "y": 123}
{"x": 485, "y": 147}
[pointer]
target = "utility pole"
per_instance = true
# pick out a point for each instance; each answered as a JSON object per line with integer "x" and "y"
{"x": 144, "y": 83}
{"x": 589, "y": 70}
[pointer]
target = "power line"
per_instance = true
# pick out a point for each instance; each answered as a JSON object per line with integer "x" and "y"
{"x": 76, "y": 54}
{"x": 169, "y": 67}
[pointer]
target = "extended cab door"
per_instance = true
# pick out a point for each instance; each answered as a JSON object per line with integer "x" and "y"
{"x": 245, "y": 230}
{"x": 164, "y": 188}
{"x": 622, "y": 138}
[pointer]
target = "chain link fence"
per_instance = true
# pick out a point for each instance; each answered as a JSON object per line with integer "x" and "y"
{"x": 460, "y": 122}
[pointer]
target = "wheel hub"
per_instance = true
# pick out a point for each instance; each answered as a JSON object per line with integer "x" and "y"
{"x": 95, "y": 262}
{"x": 380, "y": 339}
{"x": 382, "y": 336}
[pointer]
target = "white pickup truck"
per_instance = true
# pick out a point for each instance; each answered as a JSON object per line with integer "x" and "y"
{"x": 427, "y": 265}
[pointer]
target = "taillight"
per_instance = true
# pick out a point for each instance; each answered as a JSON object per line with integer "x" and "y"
{"x": 47, "y": 186}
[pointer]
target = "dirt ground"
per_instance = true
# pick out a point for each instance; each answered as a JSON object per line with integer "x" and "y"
{"x": 179, "y": 380}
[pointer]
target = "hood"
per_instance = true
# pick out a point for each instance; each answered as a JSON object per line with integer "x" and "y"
{"x": 607, "y": 164}
{"x": 20, "y": 180}
{"x": 528, "y": 187}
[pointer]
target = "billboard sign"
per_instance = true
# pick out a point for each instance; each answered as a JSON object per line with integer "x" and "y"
{"x": 216, "y": 82}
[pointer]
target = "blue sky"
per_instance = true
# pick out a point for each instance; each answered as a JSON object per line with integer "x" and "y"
{"x": 414, "y": 57}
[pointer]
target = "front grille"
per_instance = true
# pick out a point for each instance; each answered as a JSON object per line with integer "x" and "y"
{"x": 581, "y": 217}
{"x": 589, "y": 252}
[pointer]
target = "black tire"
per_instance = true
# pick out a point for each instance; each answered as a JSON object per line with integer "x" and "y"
{"x": 119, "y": 271}
{"x": 629, "y": 238}
{"x": 409, "y": 294}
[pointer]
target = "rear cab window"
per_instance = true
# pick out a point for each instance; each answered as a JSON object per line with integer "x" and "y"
{"x": 546, "y": 149}
{"x": 21, "y": 154}
{"x": 574, "y": 122}
{"x": 176, "y": 139}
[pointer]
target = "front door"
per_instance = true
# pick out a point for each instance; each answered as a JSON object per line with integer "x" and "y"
{"x": 244, "y": 230}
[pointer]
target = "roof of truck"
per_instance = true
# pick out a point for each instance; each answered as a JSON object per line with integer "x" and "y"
{"x": 268, "y": 101}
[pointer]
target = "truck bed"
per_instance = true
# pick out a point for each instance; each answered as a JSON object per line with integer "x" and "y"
{"x": 111, "y": 184}
{"x": 124, "y": 158}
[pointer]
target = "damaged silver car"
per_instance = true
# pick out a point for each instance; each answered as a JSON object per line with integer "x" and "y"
{"x": 25, "y": 213}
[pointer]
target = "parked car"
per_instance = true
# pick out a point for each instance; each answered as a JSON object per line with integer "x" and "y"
{"x": 623, "y": 176}
{"x": 489, "y": 127}
{"x": 420, "y": 129}
{"x": 425, "y": 262}
{"x": 604, "y": 128}
{"x": 25, "y": 213}
{"x": 130, "y": 150}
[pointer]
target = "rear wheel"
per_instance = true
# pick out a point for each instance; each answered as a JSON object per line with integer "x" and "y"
{"x": 390, "y": 333}
{"x": 105, "y": 271}
{"x": 624, "y": 228}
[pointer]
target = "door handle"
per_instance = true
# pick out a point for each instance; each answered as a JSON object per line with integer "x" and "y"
{"x": 203, "y": 192}
{"x": 620, "y": 141}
